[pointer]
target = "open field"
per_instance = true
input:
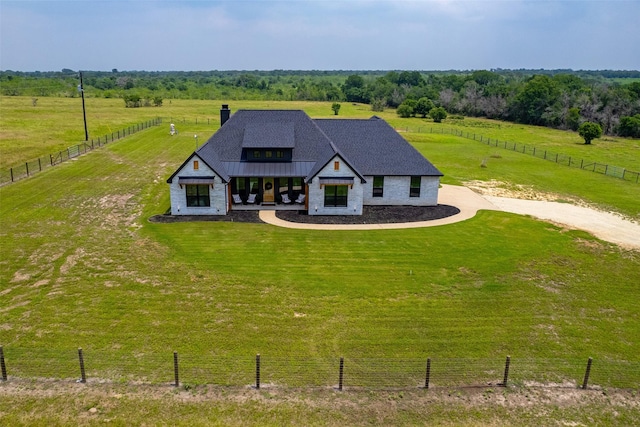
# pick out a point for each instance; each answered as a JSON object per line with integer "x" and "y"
{"x": 28, "y": 132}
{"x": 82, "y": 267}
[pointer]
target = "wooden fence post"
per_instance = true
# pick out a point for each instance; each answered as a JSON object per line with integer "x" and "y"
{"x": 27, "y": 166}
{"x": 428, "y": 376}
{"x": 506, "y": 372}
{"x": 258, "y": 371}
{"x": 586, "y": 374}
{"x": 176, "y": 378}
{"x": 83, "y": 376}
{"x": 341, "y": 378}
{"x": 3, "y": 367}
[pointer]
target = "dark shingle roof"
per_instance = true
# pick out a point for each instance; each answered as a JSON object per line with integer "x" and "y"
{"x": 375, "y": 148}
{"x": 269, "y": 135}
{"x": 371, "y": 146}
{"x": 226, "y": 143}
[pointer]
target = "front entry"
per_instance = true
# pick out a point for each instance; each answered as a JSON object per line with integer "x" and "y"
{"x": 268, "y": 191}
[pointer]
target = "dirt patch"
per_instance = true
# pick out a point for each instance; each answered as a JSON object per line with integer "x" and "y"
{"x": 528, "y": 405}
{"x": 497, "y": 188}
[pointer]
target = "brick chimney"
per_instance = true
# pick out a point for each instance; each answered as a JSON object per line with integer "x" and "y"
{"x": 224, "y": 114}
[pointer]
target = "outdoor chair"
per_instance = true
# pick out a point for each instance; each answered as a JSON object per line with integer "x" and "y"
{"x": 285, "y": 198}
{"x": 300, "y": 199}
{"x": 236, "y": 199}
{"x": 252, "y": 198}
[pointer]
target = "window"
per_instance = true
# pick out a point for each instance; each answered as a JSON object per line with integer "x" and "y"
{"x": 268, "y": 154}
{"x": 198, "y": 195}
{"x": 378, "y": 186}
{"x": 256, "y": 154}
{"x": 238, "y": 185}
{"x": 196, "y": 165}
{"x": 336, "y": 166}
{"x": 414, "y": 189}
{"x": 335, "y": 195}
{"x": 296, "y": 184}
{"x": 279, "y": 154}
{"x": 254, "y": 185}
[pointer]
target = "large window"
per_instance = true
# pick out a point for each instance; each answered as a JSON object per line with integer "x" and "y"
{"x": 378, "y": 186}
{"x": 414, "y": 189}
{"x": 335, "y": 195}
{"x": 254, "y": 185}
{"x": 198, "y": 195}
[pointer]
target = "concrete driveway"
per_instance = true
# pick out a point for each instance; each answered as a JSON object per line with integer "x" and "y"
{"x": 604, "y": 225}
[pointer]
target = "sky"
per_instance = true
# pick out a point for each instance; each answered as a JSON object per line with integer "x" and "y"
{"x": 163, "y": 35}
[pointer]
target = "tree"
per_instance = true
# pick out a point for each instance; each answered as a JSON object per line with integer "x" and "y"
{"x": 378, "y": 104}
{"x": 589, "y": 131}
{"x": 404, "y": 110}
{"x": 630, "y": 126}
{"x": 423, "y": 106}
{"x": 438, "y": 114}
{"x": 354, "y": 89}
{"x": 335, "y": 107}
{"x": 573, "y": 118}
{"x": 536, "y": 96}
{"x": 413, "y": 104}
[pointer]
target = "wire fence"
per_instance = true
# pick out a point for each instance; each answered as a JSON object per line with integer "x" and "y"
{"x": 32, "y": 167}
{"x": 562, "y": 159}
{"x": 302, "y": 372}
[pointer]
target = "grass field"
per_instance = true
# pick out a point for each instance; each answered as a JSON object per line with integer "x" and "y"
{"x": 82, "y": 267}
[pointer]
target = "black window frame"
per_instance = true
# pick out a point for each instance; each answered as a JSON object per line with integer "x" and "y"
{"x": 378, "y": 190}
{"x": 332, "y": 198}
{"x": 199, "y": 199}
{"x": 414, "y": 190}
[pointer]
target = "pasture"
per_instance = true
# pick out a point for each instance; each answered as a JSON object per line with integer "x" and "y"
{"x": 82, "y": 266}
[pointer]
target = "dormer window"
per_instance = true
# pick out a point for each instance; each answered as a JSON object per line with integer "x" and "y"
{"x": 267, "y": 154}
{"x": 336, "y": 166}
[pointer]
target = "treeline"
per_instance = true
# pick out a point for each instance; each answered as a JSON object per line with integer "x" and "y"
{"x": 555, "y": 98}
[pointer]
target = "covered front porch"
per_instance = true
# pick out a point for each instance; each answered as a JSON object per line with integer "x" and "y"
{"x": 276, "y": 193}
{"x": 260, "y": 207}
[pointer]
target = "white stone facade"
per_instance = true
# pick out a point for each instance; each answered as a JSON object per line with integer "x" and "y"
{"x": 316, "y": 191}
{"x": 396, "y": 191}
{"x": 217, "y": 193}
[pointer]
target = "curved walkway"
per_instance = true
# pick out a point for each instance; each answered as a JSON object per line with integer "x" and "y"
{"x": 604, "y": 225}
{"x": 463, "y": 198}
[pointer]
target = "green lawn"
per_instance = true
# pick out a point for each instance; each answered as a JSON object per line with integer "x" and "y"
{"x": 81, "y": 266}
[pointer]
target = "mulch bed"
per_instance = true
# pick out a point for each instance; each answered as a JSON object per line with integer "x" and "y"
{"x": 375, "y": 215}
{"x": 233, "y": 216}
{"x": 370, "y": 215}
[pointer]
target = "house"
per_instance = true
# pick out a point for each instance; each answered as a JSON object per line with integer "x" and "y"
{"x": 283, "y": 159}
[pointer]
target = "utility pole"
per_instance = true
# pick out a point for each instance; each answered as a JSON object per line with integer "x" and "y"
{"x": 84, "y": 112}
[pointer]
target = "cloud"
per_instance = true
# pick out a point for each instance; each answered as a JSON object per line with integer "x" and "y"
{"x": 298, "y": 34}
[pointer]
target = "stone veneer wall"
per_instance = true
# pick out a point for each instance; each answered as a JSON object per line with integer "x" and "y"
{"x": 396, "y": 192}
{"x": 217, "y": 194}
{"x": 316, "y": 194}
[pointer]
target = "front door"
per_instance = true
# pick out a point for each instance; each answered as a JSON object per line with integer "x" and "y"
{"x": 268, "y": 190}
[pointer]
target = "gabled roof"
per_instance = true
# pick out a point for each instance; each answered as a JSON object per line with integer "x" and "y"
{"x": 369, "y": 147}
{"x": 375, "y": 148}
{"x": 227, "y": 142}
{"x": 215, "y": 166}
{"x": 269, "y": 135}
